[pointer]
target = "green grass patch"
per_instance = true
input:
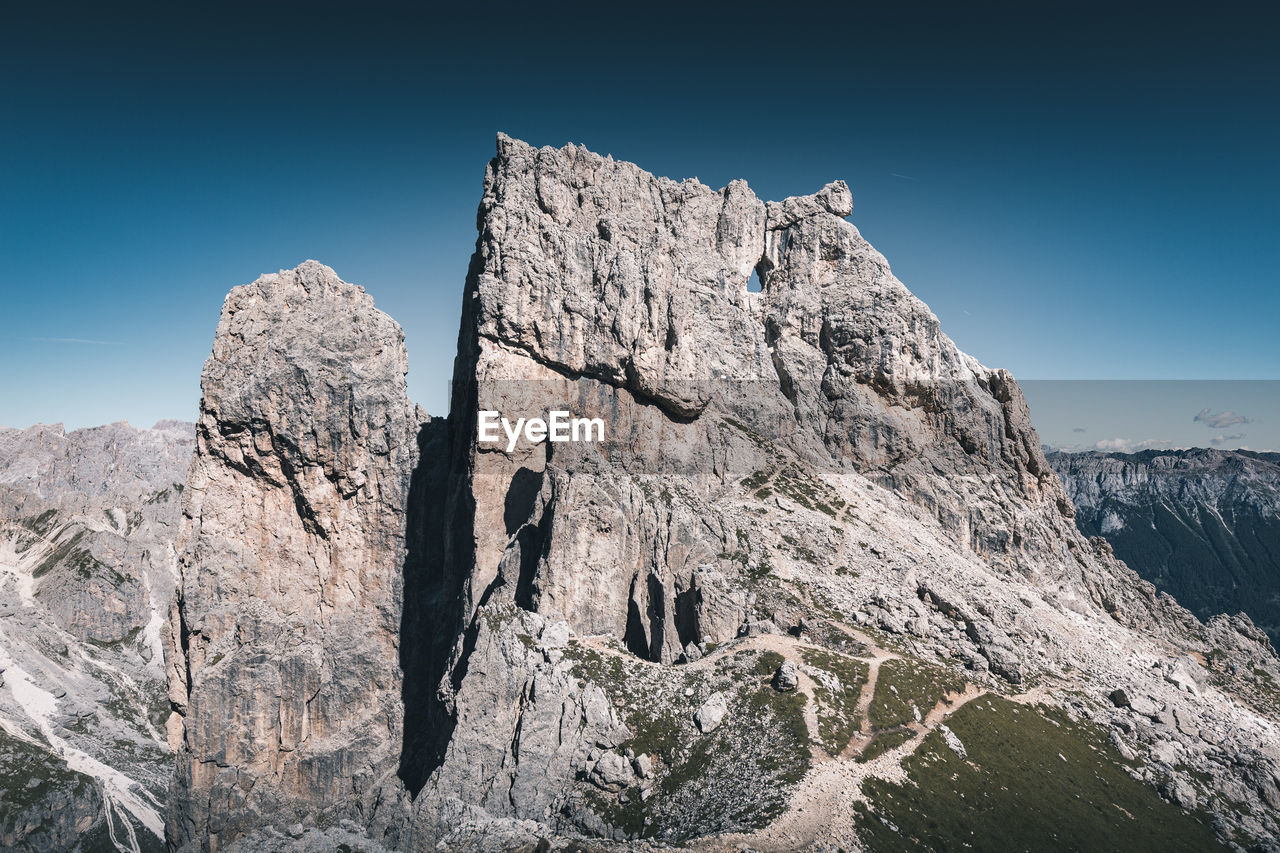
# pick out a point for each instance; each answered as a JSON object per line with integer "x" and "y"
{"x": 40, "y": 776}
{"x": 836, "y": 690}
{"x": 736, "y": 777}
{"x": 41, "y": 524}
{"x": 884, "y": 742}
{"x": 66, "y": 551}
{"x": 905, "y": 684}
{"x": 1034, "y": 780}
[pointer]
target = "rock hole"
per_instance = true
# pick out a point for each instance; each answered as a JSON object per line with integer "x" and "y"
{"x": 753, "y": 283}
{"x": 687, "y": 617}
{"x": 657, "y": 613}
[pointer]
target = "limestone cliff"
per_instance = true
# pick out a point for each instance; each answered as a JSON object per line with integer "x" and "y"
{"x": 765, "y": 452}
{"x": 284, "y": 666}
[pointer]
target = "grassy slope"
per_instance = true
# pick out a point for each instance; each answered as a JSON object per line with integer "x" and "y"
{"x": 1033, "y": 780}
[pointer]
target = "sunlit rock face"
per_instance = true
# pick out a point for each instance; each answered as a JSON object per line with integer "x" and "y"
{"x": 284, "y": 664}
{"x": 87, "y": 576}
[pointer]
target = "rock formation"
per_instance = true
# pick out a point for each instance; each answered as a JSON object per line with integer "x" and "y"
{"x": 87, "y": 572}
{"x": 284, "y": 664}
{"x": 581, "y": 639}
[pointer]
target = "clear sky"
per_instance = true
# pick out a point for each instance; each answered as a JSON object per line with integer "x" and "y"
{"x": 1087, "y": 193}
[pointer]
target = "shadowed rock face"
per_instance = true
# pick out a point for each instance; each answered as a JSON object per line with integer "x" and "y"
{"x": 284, "y": 643}
{"x": 811, "y": 457}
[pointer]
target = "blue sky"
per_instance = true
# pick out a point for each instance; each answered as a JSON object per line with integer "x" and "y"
{"x": 1078, "y": 194}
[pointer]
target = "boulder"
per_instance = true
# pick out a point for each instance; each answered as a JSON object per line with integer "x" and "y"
{"x": 786, "y": 678}
{"x": 711, "y": 713}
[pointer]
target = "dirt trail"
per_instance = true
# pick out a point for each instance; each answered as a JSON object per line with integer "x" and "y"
{"x": 822, "y": 807}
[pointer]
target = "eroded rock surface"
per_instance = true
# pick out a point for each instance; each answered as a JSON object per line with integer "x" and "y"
{"x": 87, "y": 576}
{"x": 284, "y": 663}
{"x": 820, "y": 447}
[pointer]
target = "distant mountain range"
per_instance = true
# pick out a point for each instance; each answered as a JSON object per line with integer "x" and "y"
{"x": 1202, "y": 525}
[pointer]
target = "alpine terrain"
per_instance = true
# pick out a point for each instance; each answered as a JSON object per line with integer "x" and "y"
{"x": 87, "y": 575}
{"x": 818, "y": 588}
{"x": 815, "y": 587}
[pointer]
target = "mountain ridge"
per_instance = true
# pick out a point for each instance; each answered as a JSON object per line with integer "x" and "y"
{"x": 87, "y": 569}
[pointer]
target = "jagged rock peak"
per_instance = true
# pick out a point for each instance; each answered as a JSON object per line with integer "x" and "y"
{"x": 291, "y": 553}
{"x": 593, "y": 267}
{"x": 95, "y": 461}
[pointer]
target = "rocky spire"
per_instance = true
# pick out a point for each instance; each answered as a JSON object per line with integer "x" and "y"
{"x": 284, "y": 665}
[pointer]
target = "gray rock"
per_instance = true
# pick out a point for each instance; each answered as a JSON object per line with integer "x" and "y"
{"x": 1181, "y": 792}
{"x": 711, "y": 713}
{"x": 953, "y": 742}
{"x": 757, "y": 627}
{"x": 555, "y": 636}
{"x": 87, "y": 573}
{"x": 597, "y": 287}
{"x": 612, "y": 772}
{"x": 292, "y": 550}
{"x": 786, "y": 678}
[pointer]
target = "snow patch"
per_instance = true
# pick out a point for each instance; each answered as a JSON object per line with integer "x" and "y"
{"x": 118, "y": 790}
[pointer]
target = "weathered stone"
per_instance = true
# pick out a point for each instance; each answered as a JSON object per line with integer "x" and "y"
{"x": 832, "y": 394}
{"x": 711, "y": 713}
{"x": 612, "y": 772}
{"x": 284, "y": 650}
{"x": 786, "y": 678}
{"x": 87, "y": 574}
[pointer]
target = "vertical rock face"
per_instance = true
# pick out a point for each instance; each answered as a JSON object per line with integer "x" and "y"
{"x": 284, "y": 665}
{"x": 820, "y": 447}
{"x": 597, "y": 283}
{"x": 592, "y": 267}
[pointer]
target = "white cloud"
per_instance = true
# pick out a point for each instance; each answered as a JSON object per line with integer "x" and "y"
{"x": 1223, "y": 439}
{"x": 1128, "y": 445}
